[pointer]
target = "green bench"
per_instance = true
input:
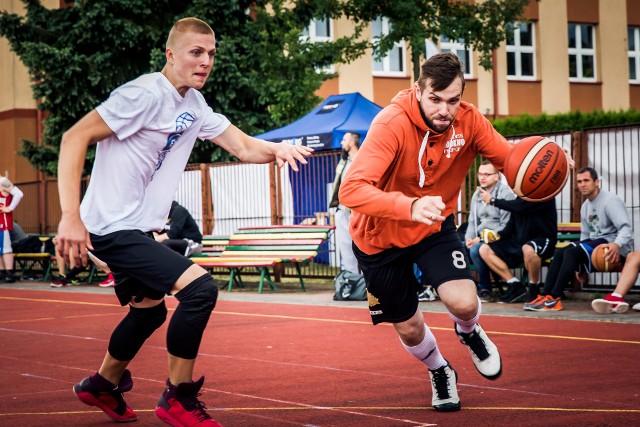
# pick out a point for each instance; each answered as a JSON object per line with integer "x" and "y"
{"x": 262, "y": 248}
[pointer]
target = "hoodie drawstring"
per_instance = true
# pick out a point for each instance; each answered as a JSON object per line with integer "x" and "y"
{"x": 423, "y": 147}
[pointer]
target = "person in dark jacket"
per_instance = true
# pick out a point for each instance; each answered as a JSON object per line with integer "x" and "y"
{"x": 530, "y": 236}
{"x": 181, "y": 233}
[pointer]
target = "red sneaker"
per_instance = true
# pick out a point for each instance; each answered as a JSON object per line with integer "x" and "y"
{"x": 108, "y": 282}
{"x": 609, "y": 304}
{"x": 179, "y": 406}
{"x": 96, "y": 391}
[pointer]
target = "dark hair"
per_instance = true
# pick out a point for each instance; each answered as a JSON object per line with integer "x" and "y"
{"x": 356, "y": 138}
{"x": 441, "y": 69}
{"x": 592, "y": 172}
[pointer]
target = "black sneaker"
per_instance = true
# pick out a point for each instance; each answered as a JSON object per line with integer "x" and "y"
{"x": 517, "y": 293}
{"x": 444, "y": 382}
{"x": 179, "y": 406}
{"x": 484, "y": 352}
{"x": 101, "y": 393}
{"x": 485, "y": 295}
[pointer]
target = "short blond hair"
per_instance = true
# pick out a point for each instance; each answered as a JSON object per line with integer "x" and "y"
{"x": 188, "y": 24}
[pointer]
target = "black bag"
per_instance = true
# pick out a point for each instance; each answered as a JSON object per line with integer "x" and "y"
{"x": 349, "y": 286}
{"x": 28, "y": 245}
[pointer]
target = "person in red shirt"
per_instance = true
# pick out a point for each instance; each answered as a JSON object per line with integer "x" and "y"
{"x": 10, "y": 197}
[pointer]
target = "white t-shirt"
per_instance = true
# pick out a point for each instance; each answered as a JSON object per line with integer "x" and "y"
{"x": 137, "y": 170}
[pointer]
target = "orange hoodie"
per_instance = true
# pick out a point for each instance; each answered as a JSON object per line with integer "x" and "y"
{"x": 403, "y": 160}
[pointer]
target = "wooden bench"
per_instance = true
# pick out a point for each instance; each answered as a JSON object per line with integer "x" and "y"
{"x": 267, "y": 247}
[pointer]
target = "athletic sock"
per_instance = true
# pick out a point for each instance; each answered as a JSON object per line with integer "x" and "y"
{"x": 427, "y": 351}
{"x": 513, "y": 280}
{"x": 467, "y": 326}
{"x": 615, "y": 294}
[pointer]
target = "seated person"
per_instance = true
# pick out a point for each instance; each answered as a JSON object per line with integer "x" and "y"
{"x": 614, "y": 302}
{"x": 603, "y": 220}
{"x": 181, "y": 232}
{"x": 529, "y": 237}
{"x": 485, "y": 216}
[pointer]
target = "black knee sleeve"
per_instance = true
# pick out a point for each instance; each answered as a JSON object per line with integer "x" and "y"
{"x": 138, "y": 325}
{"x": 188, "y": 322}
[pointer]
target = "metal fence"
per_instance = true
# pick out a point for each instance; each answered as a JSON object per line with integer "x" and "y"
{"x": 223, "y": 197}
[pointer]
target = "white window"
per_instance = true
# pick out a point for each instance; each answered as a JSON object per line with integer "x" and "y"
{"x": 457, "y": 47}
{"x": 393, "y": 63}
{"x": 320, "y": 30}
{"x": 633, "y": 37}
{"x": 582, "y": 53}
{"x": 521, "y": 51}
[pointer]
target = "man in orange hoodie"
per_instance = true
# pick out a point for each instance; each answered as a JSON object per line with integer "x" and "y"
{"x": 403, "y": 188}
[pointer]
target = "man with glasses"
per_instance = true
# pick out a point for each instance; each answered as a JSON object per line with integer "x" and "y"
{"x": 484, "y": 217}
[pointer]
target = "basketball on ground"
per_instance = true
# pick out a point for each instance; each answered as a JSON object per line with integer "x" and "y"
{"x": 598, "y": 261}
{"x": 537, "y": 169}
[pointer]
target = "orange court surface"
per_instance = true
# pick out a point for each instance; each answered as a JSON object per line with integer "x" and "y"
{"x": 300, "y": 359}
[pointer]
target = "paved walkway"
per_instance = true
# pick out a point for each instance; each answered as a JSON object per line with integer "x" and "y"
{"x": 576, "y": 307}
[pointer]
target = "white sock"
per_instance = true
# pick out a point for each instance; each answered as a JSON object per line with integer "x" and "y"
{"x": 513, "y": 280}
{"x": 467, "y": 326}
{"x": 615, "y": 294}
{"x": 427, "y": 351}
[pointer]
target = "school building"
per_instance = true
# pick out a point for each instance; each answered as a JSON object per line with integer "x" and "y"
{"x": 566, "y": 55}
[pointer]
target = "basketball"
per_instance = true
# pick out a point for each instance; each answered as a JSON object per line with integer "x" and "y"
{"x": 598, "y": 261}
{"x": 537, "y": 168}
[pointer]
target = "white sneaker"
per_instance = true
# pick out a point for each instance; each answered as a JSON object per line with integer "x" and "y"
{"x": 609, "y": 304}
{"x": 427, "y": 295}
{"x": 193, "y": 248}
{"x": 484, "y": 352}
{"x": 444, "y": 389}
{"x": 636, "y": 307}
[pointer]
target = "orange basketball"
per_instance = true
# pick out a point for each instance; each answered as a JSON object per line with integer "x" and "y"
{"x": 598, "y": 261}
{"x": 537, "y": 168}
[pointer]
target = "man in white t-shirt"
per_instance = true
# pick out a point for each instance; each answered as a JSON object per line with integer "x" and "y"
{"x": 145, "y": 132}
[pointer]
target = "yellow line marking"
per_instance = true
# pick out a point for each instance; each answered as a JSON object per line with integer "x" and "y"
{"x": 355, "y": 322}
{"x": 359, "y": 408}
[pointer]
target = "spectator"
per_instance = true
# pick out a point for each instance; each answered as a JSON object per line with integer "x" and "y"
{"x": 529, "y": 237}
{"x": 10, "y": 197}
{"x": 350, "y": 146}
{"x": 181, "y": 232}
{"x": 603, "y": 220}
{"x": 614, "y": 302}
{"x": 483, "y": 216}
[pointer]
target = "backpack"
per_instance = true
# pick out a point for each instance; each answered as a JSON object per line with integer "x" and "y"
{"x": 28, "y": 245}
{"x": 349, "y": 286}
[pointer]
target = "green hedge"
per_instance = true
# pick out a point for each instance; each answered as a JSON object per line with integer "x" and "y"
{"x": 575, "y": 121}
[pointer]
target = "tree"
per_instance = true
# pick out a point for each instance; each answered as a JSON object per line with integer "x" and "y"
{"x": 264, "y": 76}
{"x": 480, "y": 25}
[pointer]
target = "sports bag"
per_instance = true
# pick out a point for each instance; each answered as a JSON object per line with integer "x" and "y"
{"x": 349, "y": 286}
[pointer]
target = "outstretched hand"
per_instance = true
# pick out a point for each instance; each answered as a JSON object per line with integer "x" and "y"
{"x": 72, "y": 240}
{"x": 286, "y": 153}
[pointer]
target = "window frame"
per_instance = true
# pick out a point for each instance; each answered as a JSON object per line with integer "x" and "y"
{"x": 634, "y": 54}
{"x": 386, "y": 72}
{"x": 310, "y": 34}
{"x": 579, "y": 52}
{"x": 455, "y": 46}
{"x": 518, "y": 50}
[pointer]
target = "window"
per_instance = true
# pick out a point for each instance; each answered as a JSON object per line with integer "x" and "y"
{"x": 582, "y": 53}
{"x": 320, "y": 30}
{"x": 521, "y": 51}
{"x": 393, "y": 63}
{"x": 633, "y": 37}
{"x": 457, "y": 47}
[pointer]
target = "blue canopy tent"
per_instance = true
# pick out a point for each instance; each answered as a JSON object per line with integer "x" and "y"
{"x": 322, "y": 129}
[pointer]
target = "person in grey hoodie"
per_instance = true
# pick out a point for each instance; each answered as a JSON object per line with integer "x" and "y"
{"x": 484, "y": 216}
{"x": 603, "y": 221}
